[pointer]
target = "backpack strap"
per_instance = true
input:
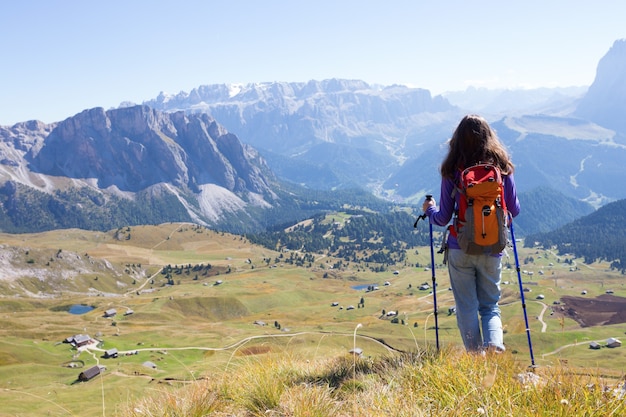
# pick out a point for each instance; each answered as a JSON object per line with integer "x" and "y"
{"x": 456, "y": 190}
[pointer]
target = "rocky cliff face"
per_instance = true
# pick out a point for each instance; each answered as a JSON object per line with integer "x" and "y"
{"x": 137, "y": 147}
{"x": 339, "y": 131}
{"x": 605, "y": 101}
{"x": 137, "y": 150}
{"x": 286, "y": 117}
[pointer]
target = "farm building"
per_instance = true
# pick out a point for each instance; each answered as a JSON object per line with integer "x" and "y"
{"x": 90, "y": 373}
{"x": 594, "y": 345}
{"x": 613, "y": 342}
{"x": 78, "y": 340}
{"x": 110, "y": 312}
{"x": 111, "y": 353}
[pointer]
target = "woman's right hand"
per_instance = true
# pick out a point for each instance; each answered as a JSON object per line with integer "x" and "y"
{"x": 429, "y": 202}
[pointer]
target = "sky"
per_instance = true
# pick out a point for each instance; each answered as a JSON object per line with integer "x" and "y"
{"x": 59, "y": 57}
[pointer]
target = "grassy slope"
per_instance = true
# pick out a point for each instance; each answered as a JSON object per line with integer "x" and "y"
{"x": 195, "y": 329}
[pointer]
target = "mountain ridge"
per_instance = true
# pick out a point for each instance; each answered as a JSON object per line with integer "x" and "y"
{"x": 122, "y": 153}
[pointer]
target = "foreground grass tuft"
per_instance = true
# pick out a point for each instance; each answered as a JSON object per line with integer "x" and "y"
{"x": 448, "y": 383}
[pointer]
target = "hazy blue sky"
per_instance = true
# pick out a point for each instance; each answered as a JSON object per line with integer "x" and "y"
{"x": 60, "y": 57}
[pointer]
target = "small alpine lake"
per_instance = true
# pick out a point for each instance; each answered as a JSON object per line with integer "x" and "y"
{"x": 80, "y": 309}
{"x": 364, "y": 287}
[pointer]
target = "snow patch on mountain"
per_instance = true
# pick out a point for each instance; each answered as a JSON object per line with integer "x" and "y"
{"x": 234, "y": 89}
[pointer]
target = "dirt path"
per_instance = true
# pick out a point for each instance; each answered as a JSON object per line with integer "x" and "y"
{"x": 563, "y": 347}
{"x": 240, "y": 343}
{"x": 544, "y": 325}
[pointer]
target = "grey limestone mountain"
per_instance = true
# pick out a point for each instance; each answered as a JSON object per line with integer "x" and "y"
{"x": 605, "y": 101}
{"x": 205, "y": 170}
{"x": 324, "y": 134}
{"x": 137, "y": 147}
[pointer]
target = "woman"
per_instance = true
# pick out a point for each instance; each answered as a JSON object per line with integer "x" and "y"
{"x": 475, "y": 279}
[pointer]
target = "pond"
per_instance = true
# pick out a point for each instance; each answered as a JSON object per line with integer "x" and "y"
{"x": 364, "y": 287}
{"x": 80, "y": 309}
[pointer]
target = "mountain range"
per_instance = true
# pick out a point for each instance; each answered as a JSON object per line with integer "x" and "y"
{"x": 241, "y": 156}
{"x": 390, "y": 140}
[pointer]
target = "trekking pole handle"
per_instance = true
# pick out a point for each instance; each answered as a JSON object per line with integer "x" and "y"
{"x": 423, "y": 215}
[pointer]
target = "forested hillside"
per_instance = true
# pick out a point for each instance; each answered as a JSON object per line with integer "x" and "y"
{"x": 598, "y": 236}
{"x": 545, "y": 209}
{"x": 383, "y": 235}
{"x": 351, "y": 235}
{"x": 26, "y": 210}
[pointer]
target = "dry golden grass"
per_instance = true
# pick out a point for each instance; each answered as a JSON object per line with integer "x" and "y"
{"x": 449, "y": 383}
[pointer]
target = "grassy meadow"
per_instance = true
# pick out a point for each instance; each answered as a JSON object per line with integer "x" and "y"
{"x": 232, "y": 314}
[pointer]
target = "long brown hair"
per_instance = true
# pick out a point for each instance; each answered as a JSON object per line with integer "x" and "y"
{"x": 475, "y": 142}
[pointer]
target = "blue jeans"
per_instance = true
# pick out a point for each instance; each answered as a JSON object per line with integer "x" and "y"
{"x": 475, "y": 281}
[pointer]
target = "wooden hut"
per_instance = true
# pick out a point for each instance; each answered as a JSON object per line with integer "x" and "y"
{"x": 90, "y": 373}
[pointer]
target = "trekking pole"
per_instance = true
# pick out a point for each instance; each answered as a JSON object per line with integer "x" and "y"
{"x": 521, "y": 290}
{"x": 432, "y": 263}
{"x": 432, "y": 268}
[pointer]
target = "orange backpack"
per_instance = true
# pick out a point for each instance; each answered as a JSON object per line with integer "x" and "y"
{"x": 480, "y": 225}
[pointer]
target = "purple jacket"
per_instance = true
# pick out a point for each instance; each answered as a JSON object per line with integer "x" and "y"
{"x": 441, "y": 216}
